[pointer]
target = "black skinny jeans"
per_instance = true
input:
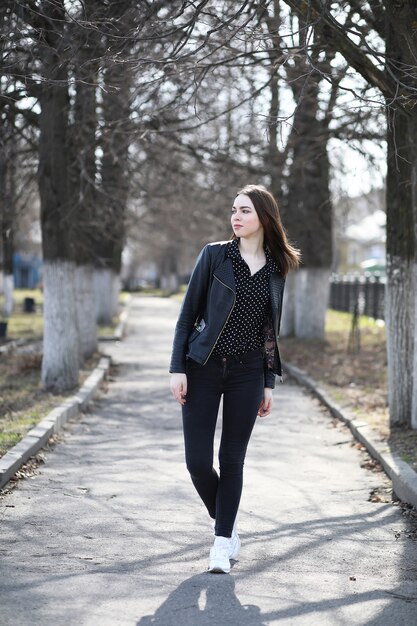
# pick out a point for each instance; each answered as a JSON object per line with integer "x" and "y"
{"x": 241, "y": 381}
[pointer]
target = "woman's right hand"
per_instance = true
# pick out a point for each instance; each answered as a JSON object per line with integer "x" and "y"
{"x": 178, "y": 386}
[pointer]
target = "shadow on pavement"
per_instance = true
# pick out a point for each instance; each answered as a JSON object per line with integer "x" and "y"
{"x": 203, "y": 600}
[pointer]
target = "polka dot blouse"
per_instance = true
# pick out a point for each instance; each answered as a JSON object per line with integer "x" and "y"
{"x": 244, "y": 329}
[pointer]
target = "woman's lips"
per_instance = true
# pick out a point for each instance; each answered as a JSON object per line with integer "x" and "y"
{"x": 237, "y": 225}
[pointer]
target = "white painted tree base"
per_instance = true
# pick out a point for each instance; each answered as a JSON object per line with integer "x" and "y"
{"x": 60, "y": 341}
{"x": 400, "y": 328}
{"x": 311, "y": 296}
{"x": 170, "y": 282}
{"x": 115, "y": 294}
{"x": 86, "y": 311}
{"x": 106, "y": 288}
{"x": 414, "y": 399}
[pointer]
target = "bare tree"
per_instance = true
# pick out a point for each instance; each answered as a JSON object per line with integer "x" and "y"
{"x": 60, "y": 345}
{"x": 172, "y": 100}
{"x": 85, "y": 67}
{"x": 223, "y": 121}
{"x": 307, "y": 214}
{"x": 392, "y": 71}
{"x": 8, "y": 209}
{"x": 8, "y": 161}
{"x": 116, "y": 137}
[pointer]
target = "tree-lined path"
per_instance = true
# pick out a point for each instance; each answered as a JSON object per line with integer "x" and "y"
{"x": 111, "y": 532}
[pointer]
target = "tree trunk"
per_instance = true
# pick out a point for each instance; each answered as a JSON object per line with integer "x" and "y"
{"x": 311, "y": 295}
{"x": 7, "y": 233}
{"x": 170, "y": 282}
{"x": 86, "y": 209}
{"x": 307, "y": 216}
{"x": 309, "y": 191}
{"x": 8, "y": 290}
{"x": 60, "y": 342}
{"x": 413, "y": 135}
{"x": 116, "y": 294}
{"x": 7, "y": 203}
{"x": 104, "y": 280}
{"x": 168, "y": 271}
{"x": 399, "y": 301}
{"x": 401, "y": 249}
{"x": 85, "y": 311}
{"x": 398, "y": 84}
{"x": 8, "y": 240}
{"x": 60, "y": 352}
{"x": 116, "y": 137}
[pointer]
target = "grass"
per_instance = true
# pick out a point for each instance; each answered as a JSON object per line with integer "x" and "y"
{"x": 179, "y": 296}
{"x": 20, "y": 294}
{"x": 15, "y": 425}
{"x": 30, "y": 325}
{"x": 25, "y": 326}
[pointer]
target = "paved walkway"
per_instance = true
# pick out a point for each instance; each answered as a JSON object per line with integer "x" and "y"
{"x": 111, "y": 532}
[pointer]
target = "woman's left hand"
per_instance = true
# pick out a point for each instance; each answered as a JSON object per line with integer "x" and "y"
{"x": 266, "y": 404}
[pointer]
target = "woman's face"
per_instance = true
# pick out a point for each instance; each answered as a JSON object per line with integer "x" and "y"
{"x": 245, "y": 221}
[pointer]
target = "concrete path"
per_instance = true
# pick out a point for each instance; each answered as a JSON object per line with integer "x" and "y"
{"x": 111, "y": 532}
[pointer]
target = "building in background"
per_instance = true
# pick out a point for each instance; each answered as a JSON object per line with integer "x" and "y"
{"x": 360, "y": 234}
{"x": 27, "y": 270}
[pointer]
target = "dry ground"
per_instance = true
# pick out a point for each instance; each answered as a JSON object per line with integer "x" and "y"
{"x": 356, "y": 381}
{"x": 23, "y": 402}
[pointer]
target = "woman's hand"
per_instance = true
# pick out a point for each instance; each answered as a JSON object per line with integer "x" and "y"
{"x": 266, "y": 404}
{"x": 178, "y": 387}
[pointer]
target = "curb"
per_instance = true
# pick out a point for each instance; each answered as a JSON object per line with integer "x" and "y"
{"x": 403, "y": 477}
{"x": 38, "y": 436}
{"x": 120, "y": 328}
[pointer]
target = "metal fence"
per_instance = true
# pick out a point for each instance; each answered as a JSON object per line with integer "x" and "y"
{"x": 367, "y": 290}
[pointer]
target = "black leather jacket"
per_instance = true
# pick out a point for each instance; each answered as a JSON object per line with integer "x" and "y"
{"x": 207, "y": 305}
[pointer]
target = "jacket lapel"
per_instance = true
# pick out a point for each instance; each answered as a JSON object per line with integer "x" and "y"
{"x": 224, "y": 272}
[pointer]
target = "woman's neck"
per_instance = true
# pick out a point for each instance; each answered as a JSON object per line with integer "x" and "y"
{"x": 253, "y": 247}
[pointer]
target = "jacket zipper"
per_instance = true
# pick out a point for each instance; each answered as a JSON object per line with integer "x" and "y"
{"x": 227, "y": 319}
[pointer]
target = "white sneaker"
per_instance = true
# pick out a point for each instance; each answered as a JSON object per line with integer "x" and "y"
{"x": 235, "y": 544}
{"x": 219, "y": 561}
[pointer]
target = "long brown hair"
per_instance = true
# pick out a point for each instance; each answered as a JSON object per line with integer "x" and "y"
{"x": 286, "y": 256}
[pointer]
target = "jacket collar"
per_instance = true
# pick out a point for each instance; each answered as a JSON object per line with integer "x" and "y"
{"x": 224, "y": 271}
{"x": 233, "y": 252}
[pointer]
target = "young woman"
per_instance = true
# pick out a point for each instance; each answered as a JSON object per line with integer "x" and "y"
{"x": 225, "y": 343}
